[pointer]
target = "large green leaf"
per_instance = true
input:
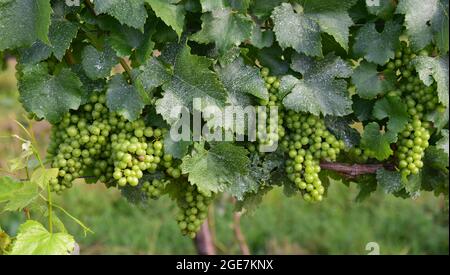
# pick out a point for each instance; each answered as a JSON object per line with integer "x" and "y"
{"x": 341, "y": 128}
{"x": 443, "y": 142}
{"x": 297, "y": 31}
{"x": 383, "y": 8}
{"x": 272, "y": 58}
{"x": 177, "y": 149}
{"x": 42, "y": 176}
{"x": 260, "y": 173}
{"x": 319, "y": 92}
{"x": 426, "y": 21}
{"x": 154, "y": 74}
{"x": 22, "y": 22}
{"x": 185, "y": 86}
{"x": 377, "y": 47}
{"x": 261, "y": 38}
{"x": 432, "y": 69}
{"x": 393, "y": 108}
{"x": 37, "y": 52}
{"x": 61, "y": 34}
{"x": 49, "y": 96}
{"x": 128, "y": 12}
{"x": 17, "y": 194}
{"x": 435, "y": 174}
{"x": 332, "y": 17}
{"x": 225, "y": 28}
{"x": 98, "y": 64}
{"x": 390, "y": 181}
{"x": 124, "y": 98}
{"x": 370, "y": 83}
{"x": 239, "y": 78}
{"x": 172, "y": 15}
{"x": 379, "y": 143}
{"x": 34, "y": 239}
{"x": 263, "y": 8}
{"x": 215, "y": 169}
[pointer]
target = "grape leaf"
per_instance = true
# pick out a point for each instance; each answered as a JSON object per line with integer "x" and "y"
{"x": 263, "y": 8}
{"x": 272, "y": 59}
{"x": 34, "y": 54}
{"x": 377, "y": 142}
{"x": 332, "y": 17}
{"x": 362, "y": 108}
{"x": 430, "y": 68}
{"x": 287, "y": 83}
{"x": 294, "y": 30}
{"x": 340, "y": 128}
{"x": 390, "y": 181}
{"x": 128, "y": 12}
{"x": 61, "y": 34}
{"x": 443, "y": 142}
{"x": 252, "y": 200}
{"x": 239, "y": 78}
{"x": 384, "y": 9}
{"x": 260, "y": 173}
{"x": 17, "y": 195}
{"x": 89, "y": 85}
{"x": 261, "y": 38}
{"x": 186, "y": 86}
{"x": 393, "y": 108}
{"x": 49, "y": 96}
{"x": 240, "y": 5}
{"x": 377, "y": 47}
{"x": 172, "y": 15}
{"x": 42, "y": 176}
{"x": 435, "y": 174}
{"x": 154, "y": 74}
{"x": 439, "y": 118}
{"x": 225, "y": 28}
{"x": 124, "y": 39}
{"x": 176, "y": 149}
{"x": 319, "y": 92}
{"x": 413, "y": 184}
{"x": 426, "y": 21}
{"x": 124, "y": 98}
{"x": 22, "y": 22}
{"x": 34, "y": 239}
{"x": 212, "y": 171}
{"x": 370, "y": 83}
{"x": 98, "y": 64}
{"x": 367, "y": 185}
{"x": 212, "y": 5}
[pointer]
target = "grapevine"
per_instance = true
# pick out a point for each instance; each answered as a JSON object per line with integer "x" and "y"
{"x": 360, "y": 95}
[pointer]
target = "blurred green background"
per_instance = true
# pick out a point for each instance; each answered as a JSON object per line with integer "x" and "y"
{"x": 279, "y": 226}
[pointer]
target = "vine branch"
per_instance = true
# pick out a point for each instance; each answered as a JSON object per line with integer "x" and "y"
{"x": 239, "y": 235}
{"x": 355, "y": 170}
{"x": 203, "y": 241}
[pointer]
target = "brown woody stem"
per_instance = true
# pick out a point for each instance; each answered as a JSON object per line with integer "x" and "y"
{"x": 204, "y": 242}
{"x": 354, "y": 170}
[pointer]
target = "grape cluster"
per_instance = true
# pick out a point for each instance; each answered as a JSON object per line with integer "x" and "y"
{"x": 79, "y": 142}
{"x": 274, "y": 127}
{"x": 307, "y": 143}
{"x": 420, "y": 100}
{"x": 154, "y": 188}
{"x": 193, "y": 207}
{"x": 135, "y": 149}
{"x": 360, "y": 155}
{"x": 411, "y": 146}
{"x": 93, "y": 142}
